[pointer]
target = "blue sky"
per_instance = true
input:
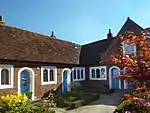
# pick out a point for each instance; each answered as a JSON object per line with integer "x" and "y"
{"x": 79, "y": 21}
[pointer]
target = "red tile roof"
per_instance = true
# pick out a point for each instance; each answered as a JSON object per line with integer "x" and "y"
{"x": 18, "y": 44}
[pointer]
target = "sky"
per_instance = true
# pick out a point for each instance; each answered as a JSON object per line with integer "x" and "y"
{"x": 78, "y": 21}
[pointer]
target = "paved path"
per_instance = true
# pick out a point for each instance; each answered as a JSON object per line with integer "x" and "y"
{"x": 105, "y": 104}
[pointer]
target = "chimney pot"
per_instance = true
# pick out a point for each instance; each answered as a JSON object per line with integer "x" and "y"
{"x": 52, "y": 35}
{"x": 109, "y": 35}
{"x": 1, "y": 20}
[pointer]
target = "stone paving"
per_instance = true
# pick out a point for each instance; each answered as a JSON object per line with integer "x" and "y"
{"x": 105, "y": 104}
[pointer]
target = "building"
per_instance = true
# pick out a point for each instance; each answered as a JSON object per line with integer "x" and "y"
{"x": 37, "y": 63}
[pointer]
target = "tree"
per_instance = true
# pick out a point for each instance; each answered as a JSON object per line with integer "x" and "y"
{"x": 136, "y": 68}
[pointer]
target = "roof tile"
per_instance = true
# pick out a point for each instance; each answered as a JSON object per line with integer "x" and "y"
{"x": 20, "y": 44}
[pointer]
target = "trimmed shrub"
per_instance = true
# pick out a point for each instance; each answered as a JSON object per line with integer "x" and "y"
{"x": 75, "y": 99}
{"x": 75, "y": 104}
{"x": 76, "y": 87}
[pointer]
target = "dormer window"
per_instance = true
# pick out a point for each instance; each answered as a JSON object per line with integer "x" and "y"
{"x": 129, "y": 49}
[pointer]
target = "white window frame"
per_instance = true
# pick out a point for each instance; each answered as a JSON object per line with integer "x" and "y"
{"x": 98, "y": 67}
{"x": 76, "y": 69}
{"x": 11, "y": 76}
{"x": 55, "y": 75}
{"x": 124, "y": 45}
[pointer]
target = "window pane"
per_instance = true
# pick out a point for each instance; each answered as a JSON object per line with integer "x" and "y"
{"x": 45, "y": 75}
{"x": 74, "y": 74}
{"x": 103, "y": 72}
{"x": 81, "y": 74}
{"x": 78, "y": 72}
{"x": 97, "y": 73}
{"x": 93, "y": 73}
{"x": 129, "y": 49}
{"x": 51, "y": 75}
{"x": 5, "y": 77}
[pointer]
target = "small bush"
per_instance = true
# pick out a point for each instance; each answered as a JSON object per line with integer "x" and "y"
{"x": 123, "y": 105}
{"x": 76, "y": 87}
{"x": 75, "y": 99}
{"x": 75, "y": 104}
{"x": 10, "y": 101}
{"x": 66, "y": 97}
{"x": 17, "y": 103}
{"x": 49, "y": 100}
{"x": 28, "y": 94}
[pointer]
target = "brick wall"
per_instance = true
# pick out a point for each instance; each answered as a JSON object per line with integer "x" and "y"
{"x": 40, "y": 90}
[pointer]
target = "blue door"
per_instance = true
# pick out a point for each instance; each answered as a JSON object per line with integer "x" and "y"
{"x": 24, "y": 81}
{"x": 115, "y": 82}
{"x": 65, "y": 81}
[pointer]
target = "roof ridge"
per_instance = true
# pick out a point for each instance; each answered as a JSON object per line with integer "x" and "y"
{"x": 146, "y": 28}
{"x": 36, "y": 33}
{"x": 126, "y": 24}
{"x": 105, "y": 39}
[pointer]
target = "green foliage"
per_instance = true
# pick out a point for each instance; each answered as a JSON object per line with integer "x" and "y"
{"x": 94, "y": 90}
{"x": 75, "y": 104}
{"x": 28, "y": 94}
{"x": 17, "y": 103}
{"x": 75, "y": 99}
{"x": 63, "y": 98}
{"x": 128, "y": 105}
{"x": 13, "y": 100}
{"x": 140, "y": 94}
{"x": 46, "y": 110}
{"x": 76, "y": 86}
{"x": 89, "y": 97}
{"x": 123, "y": 105}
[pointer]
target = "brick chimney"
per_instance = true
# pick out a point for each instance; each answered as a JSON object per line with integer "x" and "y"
{"x": 1, "y": 20}
{"x": 109, "y": 35}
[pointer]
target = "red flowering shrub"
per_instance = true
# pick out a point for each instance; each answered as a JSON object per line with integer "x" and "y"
{"x": 136, "y": 69}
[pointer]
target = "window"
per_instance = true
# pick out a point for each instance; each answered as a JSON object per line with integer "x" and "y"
{"x": 98, "y": 73}
{"x": 48, "y": 75}
{"x": 45, "y": 75}
{"x": 79, "y": 73}
{"x": 129, "y": 49}
{"x": 6, "y": 76}
{"x": 93, "y": 73}
{"x": 51, "y": 75}
{"x": 74, "y": 74}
